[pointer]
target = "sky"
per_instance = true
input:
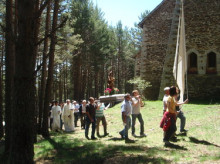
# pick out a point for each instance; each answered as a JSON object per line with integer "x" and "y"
{"x": 127, "y": 11}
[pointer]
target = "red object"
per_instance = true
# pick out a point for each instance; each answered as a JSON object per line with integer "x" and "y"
{"x": 166, "y": 120}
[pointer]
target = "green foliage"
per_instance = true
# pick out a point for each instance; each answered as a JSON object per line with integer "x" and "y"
{"x": 140, "y": 83}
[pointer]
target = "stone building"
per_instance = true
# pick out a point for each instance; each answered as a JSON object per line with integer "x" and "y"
{"x": 202, "y": 28}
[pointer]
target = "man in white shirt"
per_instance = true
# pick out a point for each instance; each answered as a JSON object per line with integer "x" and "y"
{"x": 165, "y": 98}
{"x": 126, "y": 109}
{"x": 136, "y": 113}
{"x": 76, "y": 112}
{"x": 82, "y": 111}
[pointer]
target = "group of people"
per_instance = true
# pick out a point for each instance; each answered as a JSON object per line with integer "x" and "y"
{"x": 172, "y": 111}
{"x": 64, "y": 114}
{"x": 130, "y": 110}
{"x": 92, "y": 113}
{"x": 68, "y": 114}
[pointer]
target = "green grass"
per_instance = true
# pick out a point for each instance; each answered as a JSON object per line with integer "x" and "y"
{"x": 201, "y": 144}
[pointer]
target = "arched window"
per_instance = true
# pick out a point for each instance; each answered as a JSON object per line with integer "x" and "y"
{"x": 211, "y": 63}
{"x": 192, "y": 63}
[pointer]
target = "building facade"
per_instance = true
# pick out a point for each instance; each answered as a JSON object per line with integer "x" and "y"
{"x": 202, "y": 28}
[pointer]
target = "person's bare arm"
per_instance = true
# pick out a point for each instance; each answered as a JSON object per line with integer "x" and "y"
{"x": 135, "y": 103}
{"x": 179, "y": 103}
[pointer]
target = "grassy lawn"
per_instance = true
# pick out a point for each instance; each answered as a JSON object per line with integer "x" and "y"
{"x": 200, "y": 145}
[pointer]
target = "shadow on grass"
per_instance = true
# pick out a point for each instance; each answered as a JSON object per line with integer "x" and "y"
{"x": 175, "y": 146}
{"x": 197, "y": 141}
{"x": 182, "y": 134}
{"x": 80, "y": 151}
{"x": 116, "y": 139}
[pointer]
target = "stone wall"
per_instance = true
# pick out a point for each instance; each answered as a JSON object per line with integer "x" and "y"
{"x": 204, "y": 87}
{"x": 202, "y": 24}
{"x": 156, "y": 33}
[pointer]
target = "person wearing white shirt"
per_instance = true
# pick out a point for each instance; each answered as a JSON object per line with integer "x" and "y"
{"x": 126, "y": 109}
{"x": 136, "y": 113}
{"x": 82, "y": 111}
{"x": 55, "y": 114}
{"x": 68, "y": 117}
{"x": 76, "y": 112}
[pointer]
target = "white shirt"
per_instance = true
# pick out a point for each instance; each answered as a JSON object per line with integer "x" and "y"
{"x": 126, "y": 107}
{"x": 76, "y": 108}
{"x": 136, "y": 108}
{"x": 55, "y": 111}
{"x": 83, "y": 109}
{"x": 165, "y": 98}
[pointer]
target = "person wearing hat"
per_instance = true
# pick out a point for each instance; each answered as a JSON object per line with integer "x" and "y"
{"x": 165, "y": 98}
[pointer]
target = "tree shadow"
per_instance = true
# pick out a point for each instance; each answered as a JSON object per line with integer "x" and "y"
{"x": 139, "y": 136}
{"x": 197, "y": 141}
{"x": 116, "y": 139}
{"x": 184, "y": 134}
{"x": 175, "y": 146}
{"x": 81, "y": 151}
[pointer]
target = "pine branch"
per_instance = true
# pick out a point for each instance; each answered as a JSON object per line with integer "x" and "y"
{"x": 58, "y": 27}
{"x": 41, "y": 64}
{"x": 42, "y": 7}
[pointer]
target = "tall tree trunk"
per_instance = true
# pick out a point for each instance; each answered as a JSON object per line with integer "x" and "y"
{"x": 1, "y": 96}
{"x": 45, "y": 131}
{"x": 60, "y": 84}
{"x": 96, "y": 84}
{"x": 66, "y": 79}
{"x": 35, "y": 54}
{"x": 9, "y": 58}
{"x": 44, "y": 66}
{"x": 84, "y": 81}
{"x": 64, "y": 82}
{"x": 22, "y": 129}
{"x": 76, "y": 76}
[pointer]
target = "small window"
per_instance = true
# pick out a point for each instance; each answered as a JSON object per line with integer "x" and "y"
{"x": 211, "y": 63}
{"x": 192, "y": 63}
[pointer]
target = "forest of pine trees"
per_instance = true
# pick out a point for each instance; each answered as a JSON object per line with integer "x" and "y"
{"x": 54, "y": 50}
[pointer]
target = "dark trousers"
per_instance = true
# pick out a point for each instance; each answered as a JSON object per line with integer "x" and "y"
{"x": 61, "y": 122}
{"x": 104, "y": 123}
{"x": 51, "y": 122}
{"x": 88, "y": 122}
{"x": 171, "y": 130}
{"x": 140, "y": 119}
{"x": 76, "y": 117}
{"x": 83, "y": 119}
